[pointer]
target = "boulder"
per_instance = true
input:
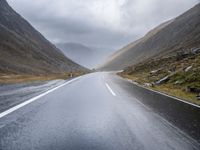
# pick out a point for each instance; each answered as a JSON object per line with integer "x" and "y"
{"x": 195, "y": 50}
{"x": 163, "y": 80}
{"x": 188, "y": 69}
{"x": 155, "y": 71}
{"x": 193, "y": 89}
{"x": 147, "y": 84}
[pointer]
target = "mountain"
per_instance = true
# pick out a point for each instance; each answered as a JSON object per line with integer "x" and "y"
{"x": 77, "y": 52}
{"x": 82, "y": 54}
{"x": 25, "y": 51}
{"x": 180, "y": 33}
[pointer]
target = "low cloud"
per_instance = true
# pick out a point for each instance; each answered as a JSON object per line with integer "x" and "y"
{"x": 104, "y": 23}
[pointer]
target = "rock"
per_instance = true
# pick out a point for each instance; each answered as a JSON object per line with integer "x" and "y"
{"x": 169, "y": 71}
{"x": 195, "y": 50}
{"x": 173, "y": 69}
{"x": 163, "y": 80}
{"x": 193, "y": 89}
{"x": 188, "y": 68}
{"x": 182, "y": 53}
{"x": 147, "y": 84}
{"x": 178, "y": 82}
{"x": 198, "y": 97}
{"x": 134, "y": 82}
{"x": 155, "y": 71}
{"x": 129, "y": 80}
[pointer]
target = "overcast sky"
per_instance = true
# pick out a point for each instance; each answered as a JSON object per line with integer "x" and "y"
{"x": 104, "y": 23}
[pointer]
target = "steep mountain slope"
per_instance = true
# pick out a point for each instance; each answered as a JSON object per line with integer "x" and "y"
{"x": 181, "y": 33}
{"x": 77, "y": 52}
{"x": 25, "y": 51}
{"x": 83, "y": 54}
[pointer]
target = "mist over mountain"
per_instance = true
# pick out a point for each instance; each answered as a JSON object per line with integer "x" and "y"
{"x": 177, "y": 34}
{"x": 87, "y": 56}
{"x": 25, "y": 51}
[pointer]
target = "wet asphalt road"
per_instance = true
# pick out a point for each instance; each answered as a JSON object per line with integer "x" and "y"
{"x": 14, "y": 94}
{"x": 91, "y": 113}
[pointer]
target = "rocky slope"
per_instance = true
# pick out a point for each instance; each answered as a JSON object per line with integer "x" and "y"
{"x": 170, "y": 60}
{"x": 177, "y": 74}
{"x": 25, "y": 51}
{"x": 180, "y": 33}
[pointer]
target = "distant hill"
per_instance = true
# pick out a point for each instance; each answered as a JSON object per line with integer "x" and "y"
{"x": 25, "y": 51}
{"x": 82, "y": 54}
{"x": 79, "y": 53}
{"x": 180, "y": 33}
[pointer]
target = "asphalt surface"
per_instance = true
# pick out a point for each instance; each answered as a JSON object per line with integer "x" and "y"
{"x": 91, "y": 113}
{"x": 14, "y": 94}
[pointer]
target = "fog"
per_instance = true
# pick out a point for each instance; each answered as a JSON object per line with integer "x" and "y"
{"x": 106, "y": 25}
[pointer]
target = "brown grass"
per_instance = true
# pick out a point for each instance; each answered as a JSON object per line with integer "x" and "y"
{"x": 13, "y": 78}
{"x": 177, "y": 92}
{"x": 171, "y": 65}
{"x": 170, "y": 89}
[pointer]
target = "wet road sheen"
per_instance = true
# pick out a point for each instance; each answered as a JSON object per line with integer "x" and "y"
{"x": 91, "y": 113}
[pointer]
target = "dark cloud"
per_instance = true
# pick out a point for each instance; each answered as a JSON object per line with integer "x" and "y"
{"x": 100, "y": 23}
{"x": 62, "y": 30}
{"x": 143, "y": 15}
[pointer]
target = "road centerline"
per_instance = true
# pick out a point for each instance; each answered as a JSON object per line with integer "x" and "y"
{"x": 110, "y": 89}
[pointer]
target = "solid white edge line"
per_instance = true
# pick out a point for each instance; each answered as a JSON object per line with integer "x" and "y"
{"x": 111, "y": 91}
{"x": 178, "y": 99}
{"x": 34, "y": 98}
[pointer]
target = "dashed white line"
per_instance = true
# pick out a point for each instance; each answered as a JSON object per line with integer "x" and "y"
{"x": 33, "y": 99}
{"x": 111, "y": 91}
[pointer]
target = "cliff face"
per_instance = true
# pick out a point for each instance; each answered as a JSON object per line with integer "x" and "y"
{"x": 24, "y": 50}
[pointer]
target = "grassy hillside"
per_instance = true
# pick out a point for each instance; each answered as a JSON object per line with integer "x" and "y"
{"x": 177, "y": 74}
{"x": 177, "y": 34}
{"x": 19, "y": 78}
{"x": 25, "y": 52}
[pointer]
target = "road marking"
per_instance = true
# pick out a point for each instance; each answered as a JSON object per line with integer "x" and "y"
{"x": 178, "y": 99}
{"x": 165, "y": 94}
{"x": 35, "y": 98}
{"x": 177, "y": 130}
{"x": 111, "y": 91}
{"x": 139, "y": 102}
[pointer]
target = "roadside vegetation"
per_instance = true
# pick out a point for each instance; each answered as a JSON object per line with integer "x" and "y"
{"x": 176, "y": 74}
{"x": 22, "y": 78}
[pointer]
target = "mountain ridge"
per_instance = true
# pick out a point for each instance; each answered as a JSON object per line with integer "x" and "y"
{"x": 174, "y": 35}
{"x": 29, "y": 50}
{"x": 85, "y": 55}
